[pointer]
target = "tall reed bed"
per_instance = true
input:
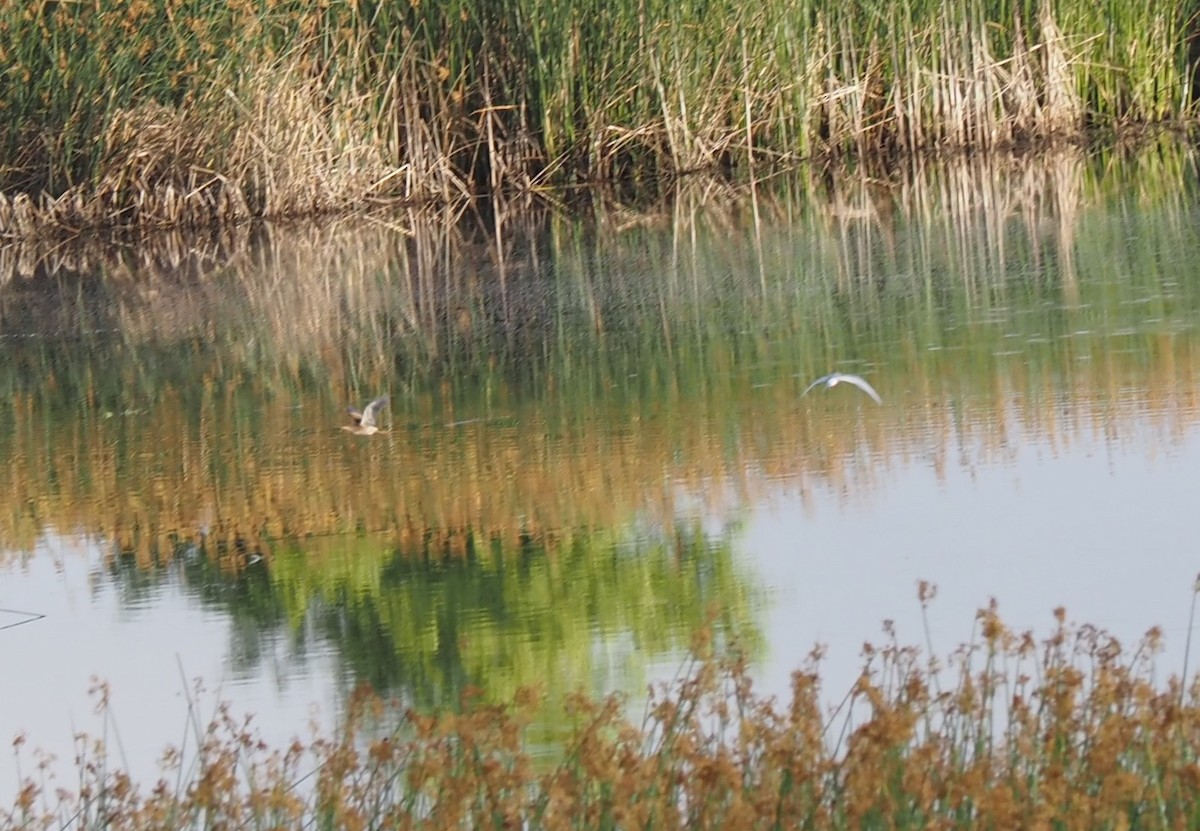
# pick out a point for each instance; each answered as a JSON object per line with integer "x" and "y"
{"x": 1070, "y": 732}
{"x": 167, "y": 112}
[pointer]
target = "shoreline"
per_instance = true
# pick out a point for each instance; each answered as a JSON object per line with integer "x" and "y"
{"x": 222, "y": 205}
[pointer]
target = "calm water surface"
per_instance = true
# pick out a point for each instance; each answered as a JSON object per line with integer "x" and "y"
{"x": 596, "y": 438}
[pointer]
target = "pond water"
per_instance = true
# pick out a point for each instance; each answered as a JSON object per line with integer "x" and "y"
{"x": 596, "y": 442}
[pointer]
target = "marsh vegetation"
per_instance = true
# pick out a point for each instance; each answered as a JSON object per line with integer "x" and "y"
{"x": 134, "y": 113}
{"x": 1073, "y": 731}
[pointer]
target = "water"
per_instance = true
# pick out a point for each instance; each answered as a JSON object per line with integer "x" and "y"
{"x": 596, "y": 440}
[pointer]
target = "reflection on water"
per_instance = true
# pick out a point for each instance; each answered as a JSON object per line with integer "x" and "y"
{"x": 595, "y": 437}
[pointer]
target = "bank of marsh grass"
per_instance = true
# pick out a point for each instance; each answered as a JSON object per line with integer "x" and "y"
{"x": 130, "y": 112}
{"x": 1071, "y": 732}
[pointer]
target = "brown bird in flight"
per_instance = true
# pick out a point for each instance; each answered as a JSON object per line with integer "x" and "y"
{"x": 364, "y": 422}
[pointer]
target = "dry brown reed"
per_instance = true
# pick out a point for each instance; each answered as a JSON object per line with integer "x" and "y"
{"x": 1070, "y": 732}
{"x": 271, "y": 145}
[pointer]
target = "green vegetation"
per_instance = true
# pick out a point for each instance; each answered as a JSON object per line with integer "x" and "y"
{"x": 1073, "y": 732}
{"x": 167, "y": 112}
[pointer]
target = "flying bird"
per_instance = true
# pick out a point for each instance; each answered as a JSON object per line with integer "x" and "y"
{"x": 364, "y": 422}
{"x": 835, "y": 378}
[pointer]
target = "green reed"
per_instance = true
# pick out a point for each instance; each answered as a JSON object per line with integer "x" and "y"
{"x": 165, "y": 111}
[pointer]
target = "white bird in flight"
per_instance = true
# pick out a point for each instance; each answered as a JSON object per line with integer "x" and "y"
{"x": 835, "y": 378}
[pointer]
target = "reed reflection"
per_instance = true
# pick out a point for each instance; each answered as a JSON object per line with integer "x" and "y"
{"x": 595, "y": 371}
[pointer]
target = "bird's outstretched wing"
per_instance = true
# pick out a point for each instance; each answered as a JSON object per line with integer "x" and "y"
{"x": 371, "y": 411}
{"x": 862, "y": 384}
